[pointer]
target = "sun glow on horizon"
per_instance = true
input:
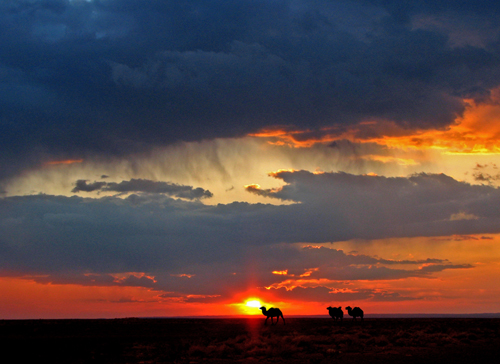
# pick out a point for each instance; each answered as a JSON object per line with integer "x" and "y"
{"x": 249, "y": 306}
{"x": 253, "y": 303}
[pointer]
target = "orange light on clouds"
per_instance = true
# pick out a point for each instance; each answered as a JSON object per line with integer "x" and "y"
{"x": 477, "y": 132}
{"x": 299, "y": 138}
{"x": 120, "y": 277}
{"x": 276, "y": 173}
{"x": 69, "y": 161}
{"x": 470, "y": 290}
{"x": 280, "y": 272}
{"x": 252, "y": 186}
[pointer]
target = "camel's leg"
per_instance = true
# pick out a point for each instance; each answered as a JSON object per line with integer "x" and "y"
{"x": 265, "y": 322}
{"x": 283, "y": 319}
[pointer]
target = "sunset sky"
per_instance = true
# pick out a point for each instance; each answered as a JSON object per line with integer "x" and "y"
{"x": 166, "y": 158}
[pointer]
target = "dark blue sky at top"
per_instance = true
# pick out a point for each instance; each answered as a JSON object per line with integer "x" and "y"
{"x": 112, "y": 77}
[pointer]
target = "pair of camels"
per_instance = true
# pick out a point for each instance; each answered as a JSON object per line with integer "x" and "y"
{"x": 337, "y": 314}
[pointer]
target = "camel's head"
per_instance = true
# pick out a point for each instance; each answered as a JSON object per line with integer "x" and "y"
{"x": 262, "y": 308}
{"x": 329, "y": 308}
{"x": 348, "y": 308}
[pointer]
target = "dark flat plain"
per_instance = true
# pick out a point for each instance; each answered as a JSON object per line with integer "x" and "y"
{"x": 301, "y": 340}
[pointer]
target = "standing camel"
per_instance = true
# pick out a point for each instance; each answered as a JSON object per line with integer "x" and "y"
{"x": 336, "y": 313}
{"x": 272, "y": 312}
{"x": 355, "y": 312}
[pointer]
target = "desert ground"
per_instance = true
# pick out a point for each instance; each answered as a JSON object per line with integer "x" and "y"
{"x": 248, "y": 340}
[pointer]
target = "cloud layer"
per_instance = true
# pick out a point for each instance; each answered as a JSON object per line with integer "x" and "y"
{"x": 189, "y": 248}
{"x": 143, "y": 185}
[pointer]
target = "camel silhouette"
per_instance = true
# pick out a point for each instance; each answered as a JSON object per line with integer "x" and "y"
{"x": 336, "y": 313}
{"x": 272, "y": 312}
{"x": 355, "y": 312}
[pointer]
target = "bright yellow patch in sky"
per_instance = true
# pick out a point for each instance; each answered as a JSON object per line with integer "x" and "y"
{"x": 280, "y": 272}
{"x": 253, "y": 303}
{"x": 250, "y": 306}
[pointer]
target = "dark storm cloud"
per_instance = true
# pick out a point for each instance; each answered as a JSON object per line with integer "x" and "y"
{"x": 144, "y": 185}
{"x": 171, "y": 189}
{"x": 333, "y": 207}
{"x": 325, "y": 294}
{"x": 487, "y": 173}
{"x": 381, "y": 273}
{"x": 190, "y": 248}
{"x": 364, "y": 206}
{"x": 328, "y": 261}
{"x": 82, "y": 186}
{"x": 80, "y": 78}
{"x": 332, "y": 264}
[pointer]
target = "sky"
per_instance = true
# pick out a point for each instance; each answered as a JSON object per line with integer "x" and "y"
{"x": 182, "y": 158}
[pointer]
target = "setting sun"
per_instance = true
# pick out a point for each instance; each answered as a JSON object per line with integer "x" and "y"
{"x": 249, "y": 306}
{"x": 253, "y": 303}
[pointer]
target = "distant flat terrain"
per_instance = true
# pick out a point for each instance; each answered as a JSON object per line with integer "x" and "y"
{"x": 301, "y": 340}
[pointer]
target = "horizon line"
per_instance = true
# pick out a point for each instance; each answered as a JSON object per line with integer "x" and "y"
{"x": 369, "y": 316}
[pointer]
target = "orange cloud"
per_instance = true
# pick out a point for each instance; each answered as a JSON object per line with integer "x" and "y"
{"x": 183, "y": 275}
{"x": 256, "y": 189}
{"x": 68, "y": 161}
{"x": 281, "y": 272}
{"x": 300, "y": 138}
{"x": 275, "y": 174}
{"x": 122, "y": 277}
{"x": 477, "y": 132}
